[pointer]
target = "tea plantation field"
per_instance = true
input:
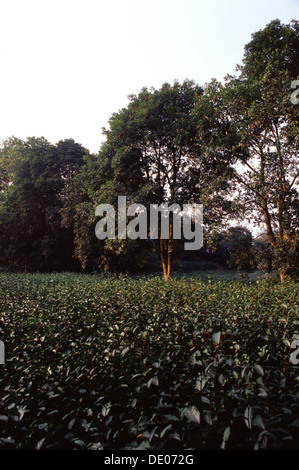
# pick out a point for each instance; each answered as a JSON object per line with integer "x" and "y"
{"x": 137, "y": 363}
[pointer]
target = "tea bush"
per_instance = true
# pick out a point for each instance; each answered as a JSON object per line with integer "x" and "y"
{"x": 137, "y": 363}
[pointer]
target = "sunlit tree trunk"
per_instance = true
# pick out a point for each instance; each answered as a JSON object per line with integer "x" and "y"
{"x": 166, "y": 251}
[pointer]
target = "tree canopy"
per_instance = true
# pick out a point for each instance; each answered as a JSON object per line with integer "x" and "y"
{"x": 231, "y": 146}
{"x": 33, "y": 180}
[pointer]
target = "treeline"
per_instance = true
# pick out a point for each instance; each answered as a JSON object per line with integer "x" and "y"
{"x": 231, "y": 146}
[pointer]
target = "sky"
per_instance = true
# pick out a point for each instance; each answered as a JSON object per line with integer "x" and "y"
{"x": 68, "y": 65}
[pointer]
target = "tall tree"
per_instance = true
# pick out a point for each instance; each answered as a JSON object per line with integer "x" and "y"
{"x": 33, "y": 181}
{"x": 101, "y": 182}
{"x": 151, "y": 152}
{"x": 256, "y": 128}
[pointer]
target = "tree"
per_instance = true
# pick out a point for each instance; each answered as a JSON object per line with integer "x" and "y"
{"x": 100, "y": 182}
{"x": 242, "y": 252}
{"x": 255, "y": 130}
{"x": 269, "y": 258}
{"x": 36, "y": 172}
{"x": 151, "y": 154}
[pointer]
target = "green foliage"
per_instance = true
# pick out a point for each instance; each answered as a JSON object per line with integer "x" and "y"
{"x": 33, "y": 188}
{"x": 99, "y": 363}
{"x": 251, "y": 125}
{"x": 283, "y": 257}
{"x": 242, "y": 255}
{"x": 232, "y": 147}
{"x": 233, "y": 248}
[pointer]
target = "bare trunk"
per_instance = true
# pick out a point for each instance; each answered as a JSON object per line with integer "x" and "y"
{"x": 163, "y": 258}
{"x": 169, "y": 263}
{"x": 166, "y": 252}
{"x": 269, "y": 227}
{"x": 282, "y": 277}
{"x": 272, "y": 239}
{"x": 170, "y": 248}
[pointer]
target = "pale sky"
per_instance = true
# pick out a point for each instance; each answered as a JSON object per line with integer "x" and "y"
{"x": 67, "y": 65}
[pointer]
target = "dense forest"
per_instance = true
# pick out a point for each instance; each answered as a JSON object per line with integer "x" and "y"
{"x": 231, "y": 146}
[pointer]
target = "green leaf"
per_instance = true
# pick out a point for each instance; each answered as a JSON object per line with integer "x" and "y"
{"x": 258, "y": 368}
{"x": 248, "y": 417}
{"x": 193, "y": 414}
{"x": 39, "y": 443}
{"x": 165, "y": 430}
{"x": 258, "y": 421}
{"x": 216, "y": 337}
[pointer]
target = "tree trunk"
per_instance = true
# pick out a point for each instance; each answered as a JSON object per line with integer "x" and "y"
{"x": 170, "y": 248}
{"x": 273, "y": 239}
{"x": 170, "y": 261}
{"x": 282, "y": 277}
{"x": 164, "y": 259}
{"x": 166, "y": 253}
{"x": 269, "y": 227}
{"x": 166, "y": 250}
